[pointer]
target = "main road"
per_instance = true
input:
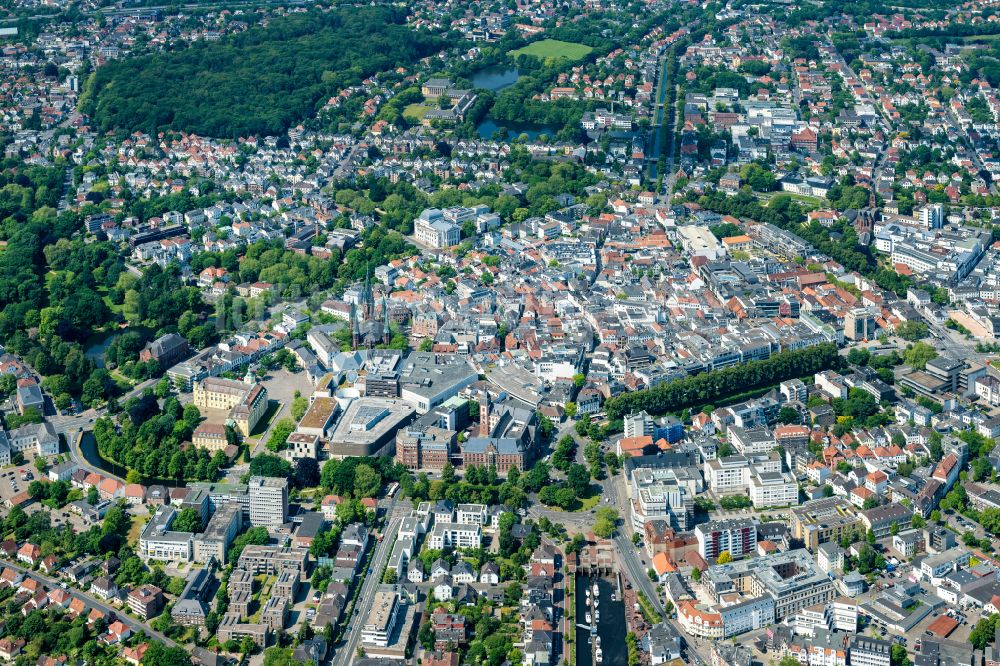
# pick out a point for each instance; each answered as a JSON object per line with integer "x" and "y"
{"x": 344, "y": 655}
{"x": 636, "y": 569}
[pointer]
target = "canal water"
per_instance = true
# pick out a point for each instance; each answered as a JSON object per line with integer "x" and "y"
{"x": 489, "y": 126}
{"x": 88, "y": 447}
{"x": 610, "y": 627}
{"x": 495, "y": 78}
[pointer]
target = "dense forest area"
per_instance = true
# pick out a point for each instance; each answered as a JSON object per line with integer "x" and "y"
{"x": 149, "y": 440}
{"x": 258, "y": 82}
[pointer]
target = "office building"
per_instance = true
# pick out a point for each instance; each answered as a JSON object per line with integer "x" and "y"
{"x": 268, "y": 501}
{"x": 220, "y": 531}
{"x": 381, "y": 619}
{"x": 220, "y": 493}
{"x": 433, "y": 230}
{"x": 158, "y": 542}
{"x": 748, "y": 441}
{"x": 859, "y": 324}
{"x": 790, "y": 579}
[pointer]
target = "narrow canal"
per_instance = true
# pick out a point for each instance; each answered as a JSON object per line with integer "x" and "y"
{"x": 609, "y": 617}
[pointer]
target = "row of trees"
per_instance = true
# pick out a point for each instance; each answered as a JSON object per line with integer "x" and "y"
{"x": 712, "y": 387}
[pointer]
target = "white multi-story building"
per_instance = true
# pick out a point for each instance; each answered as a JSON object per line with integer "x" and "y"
{"x": 988, "y": 388}
{"x": 931, "y": 216}
{"x": 727, "y": 475}
{"x": 471, "y": 514}
{"x": 268, "y": 501}
{"x": 432, "y": 229}
{"x": 770, "y": 489}
{"x": 38, "y": 436}
{"x": 941, "y": 564}
{"x": 842, "y": 615}
{"x": 662, "y": 493}
{"x": 788, "y": 579}
{"x": 158, "y": 542}
{"x": 794, "y": 389}
{"x": 831, "y": 383}
{"x": 869, "y": 651}
{"x": 751, "y": 440}
{"x": 638, "y": 424}
{"x": 455, "y": 535}
{"x": 732, "y": 473}
{"x": 381, "y": 619}
{"x": 747, "y": 616}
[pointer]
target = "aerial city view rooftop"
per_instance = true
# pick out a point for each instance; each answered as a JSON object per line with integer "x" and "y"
{"x": 489, "y": 333}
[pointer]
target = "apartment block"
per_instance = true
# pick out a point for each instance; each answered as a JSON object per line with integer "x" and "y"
{"x": 822, "y": 520}
{"x": 773, "y": 489}
{"x": 455, "y": 535}
{"x": 737, "y": 537}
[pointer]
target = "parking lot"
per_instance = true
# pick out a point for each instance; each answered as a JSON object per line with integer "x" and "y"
{"x": 12, "y": 482}
{"x": 960, "y": 634}
{"x": 281, "y": 385}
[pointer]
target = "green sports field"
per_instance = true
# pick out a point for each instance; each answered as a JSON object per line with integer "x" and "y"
{"x": 554, "y": 49}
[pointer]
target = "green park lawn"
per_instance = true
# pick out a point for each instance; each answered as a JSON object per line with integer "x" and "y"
{"x": 554, "y": 49}
{"x": 415, "y": 112}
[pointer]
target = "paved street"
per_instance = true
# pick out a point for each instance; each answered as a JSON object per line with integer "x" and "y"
{"x": 345, "y": 653}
